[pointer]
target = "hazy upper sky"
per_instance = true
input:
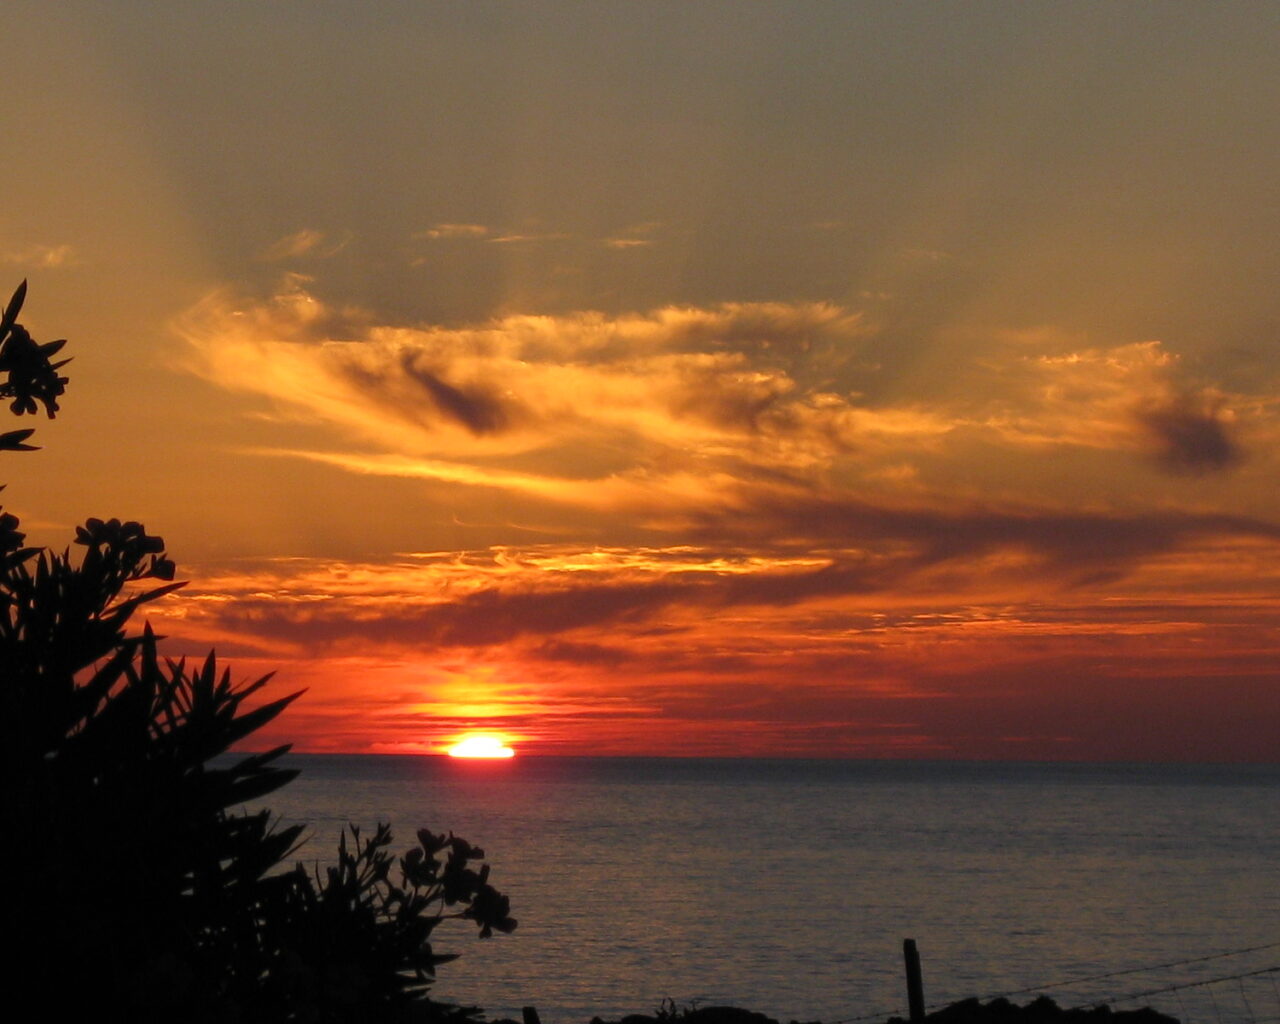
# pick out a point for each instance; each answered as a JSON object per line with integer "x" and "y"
{"x": 851, "y": 379}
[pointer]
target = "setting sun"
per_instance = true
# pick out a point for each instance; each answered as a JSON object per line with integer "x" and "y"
{"x": 480, "y": 745}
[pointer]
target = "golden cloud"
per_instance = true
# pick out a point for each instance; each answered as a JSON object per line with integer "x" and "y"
{"x": 447, "y": 231}
{"x": 44, "y": 257}
{"x": 304, "y": 243}
{"x": 1127, "y": 398}
{"x": 744, "y": 638}
{"x": 713, "y": 382}
{"x": 682, "y": 407}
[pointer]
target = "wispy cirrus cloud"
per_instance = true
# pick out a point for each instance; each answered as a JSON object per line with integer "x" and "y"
{"x": 44, "y": 257}
{"x": 637, "y": 236}
{"x": 527, "y": 237}
{"x": 307, "y": 243}
{"x": 441, "y": 232}
{"x": 485, "y": 233}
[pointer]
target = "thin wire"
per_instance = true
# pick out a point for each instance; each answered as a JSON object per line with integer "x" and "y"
{"x": 1216, "y": 1012}
{"x": 1129, "y": 970}
{"x": 1245, "y": 999}
{"x": 1196, "y": 984}
{"x": 1182, "y": 1009}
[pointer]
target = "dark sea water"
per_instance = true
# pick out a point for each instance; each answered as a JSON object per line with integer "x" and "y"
{"x": 788, "y": 886}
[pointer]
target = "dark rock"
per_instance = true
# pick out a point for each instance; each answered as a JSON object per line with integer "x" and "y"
{"x": 701, "y": 1015}
{"x": 1041, "y": 1010}
{"x": 725, "y": 1015}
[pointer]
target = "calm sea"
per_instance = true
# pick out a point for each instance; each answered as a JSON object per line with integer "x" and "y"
{"x": 788, "y": 886}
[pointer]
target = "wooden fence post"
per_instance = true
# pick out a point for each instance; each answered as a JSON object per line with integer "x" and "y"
{"x": 915, "y": 986}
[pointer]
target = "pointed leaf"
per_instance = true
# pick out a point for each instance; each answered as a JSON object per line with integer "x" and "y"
{"x": 243, "y": 791}
{"x": 12, "y": 441}
{"x": 12, "y": 310}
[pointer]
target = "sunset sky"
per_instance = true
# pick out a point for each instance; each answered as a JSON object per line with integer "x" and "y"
{"x": 838, "y": 379}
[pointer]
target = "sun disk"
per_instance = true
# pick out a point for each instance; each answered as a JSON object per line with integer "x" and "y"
{"x": 480, "y": 746}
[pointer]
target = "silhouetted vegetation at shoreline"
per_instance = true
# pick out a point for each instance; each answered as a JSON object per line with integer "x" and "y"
{"x": 1042, "y": 1010}
{"x": 967, "y": 1011}
{"x": 136, "y": 889}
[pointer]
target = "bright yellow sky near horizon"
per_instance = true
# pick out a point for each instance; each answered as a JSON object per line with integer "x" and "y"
{"x": 849, "y": 379}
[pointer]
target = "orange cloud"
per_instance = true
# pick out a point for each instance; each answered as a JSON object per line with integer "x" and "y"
{"x": 679, "y": 380}
{"x": 1127, "y": 398}
{"x": 758, "y": 545}
{"x": 446, "y": 231}
{"x": 44, "y": 257}
{"x": 702, "y": 651}
{"x": 733, "y": 389}
{"x": 304, "y": 243}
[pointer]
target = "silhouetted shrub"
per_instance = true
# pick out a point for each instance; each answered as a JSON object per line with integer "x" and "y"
{"x": 134, "y": 888}
{"x": 1041, "y": 1010}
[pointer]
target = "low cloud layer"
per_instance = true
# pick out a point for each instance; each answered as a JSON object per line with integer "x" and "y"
{"x": 620, "y": 649}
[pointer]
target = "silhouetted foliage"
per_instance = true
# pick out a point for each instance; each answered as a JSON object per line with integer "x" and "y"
{"x": 1041, "y": 1010}
{"x": 135, "y": 889}
{"x": 30, "y": 377}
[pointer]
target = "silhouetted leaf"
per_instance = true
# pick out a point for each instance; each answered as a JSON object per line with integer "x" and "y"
{"x": 14, "y": 307}
{"x": 242, "y": 791}
{"x": 12, "y": 441}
